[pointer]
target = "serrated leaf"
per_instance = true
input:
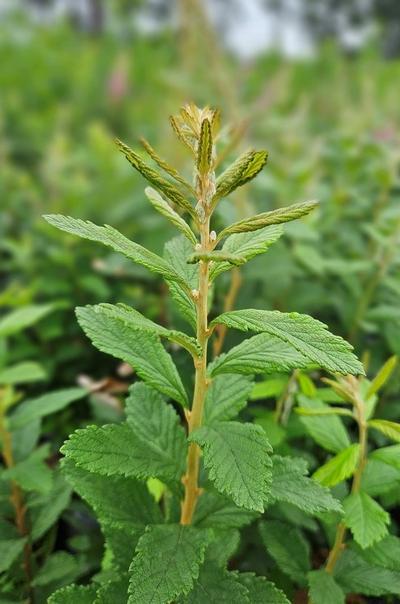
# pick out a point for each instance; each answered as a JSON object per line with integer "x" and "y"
{"x": 328, "y": 432}
{"x": 118, "y": 501}
{"x": 204, "y": 151}
{"x": 379, "y": 477}
{"x": 155, "y": 179}
{"x": 22, "y": 318}
{"x": 74, "y": 594}
{"x": 166, "y": 167}
{"x": 166, "y": 564}
{"x": 223, "y": 546}
{"x": 366, "y": 519}
{"x": 382, "y": 376}
{"x": 216, "y": 585}
{"x": 31, "y": 474}
{"x": 113, "y": 592}
{"x": 237, "y": 459}
{"x": 323, "y": 588}
{"x": 356, "y": 575}
{"x": 10, "y": 549}
{"x": 291, "y": 485}
{"x": 36, "y": 408}
{"x": 165, "y": 209}
{"x": 261, "y": 591}
{"x": 21, "y": 373}
{"x": 263, "y": 353}
{"x": 176, "y": 252}
{"x": 133, "y": 318}
{"x": 141, "y": 349}
{"x": 226, "y": 396}
{"x": 307, "y": 335}
{"x": 247, "y": 246}
{"x": 340, "y": 467}
{"x": 287, "y": 546}
{"x": 278, "y": 216}
{"x": 215, "y": 510}
{"x": 157, "y": 428}
{"x": 389, "y": 455}
{"x": 388, "y": 428}
{"x": 243, "y": 169}
{"x": 385, "y": 553}
{"x": 118, "y": 242}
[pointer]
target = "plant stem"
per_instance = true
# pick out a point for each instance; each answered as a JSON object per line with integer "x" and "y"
{"x": 190, "y": 480}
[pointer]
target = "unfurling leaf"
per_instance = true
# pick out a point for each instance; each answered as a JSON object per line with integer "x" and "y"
{"x": 260, "y": 221}
{"x": 216, "y": 256}
{"x": 244, "y": 169}
{"x": 166, "y": 167}
{"x": 204, "y": 151}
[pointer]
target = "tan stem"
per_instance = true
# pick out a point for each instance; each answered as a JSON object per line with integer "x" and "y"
{"x": 190, "y": 479}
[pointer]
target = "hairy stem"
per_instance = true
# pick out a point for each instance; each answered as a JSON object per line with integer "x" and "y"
{"x": 195, "y": 416}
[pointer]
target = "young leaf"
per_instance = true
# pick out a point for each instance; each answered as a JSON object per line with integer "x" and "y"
{"x": 136, "y": 320}
{"x": 339, "y": 468}
{"x": 246, "y": 245}
{"x": 74, "y": 594}
{"x": 226, "y": 396}
{"x": 216, "y": 585}
{"x": 260, "y": 221}
{"x": 114, "y": 239}
{"x": 384, "y": 553}
{"x": 32, "y": 474}
{"x": 323, "y": 588}
{"x": 166, "y": 564}
{"x": 204, "y": 151}
{"x": 309, "y": 336}
{"x": 355, "y": 575}
{"x": 22, "y": 318}
{"x": 141, "y": 349}
{"x": 44, "y": 509}
{"x": 263, "y": 353}
{"x": 382, "y": 376}
{"x": 323, "y": 412}
{"x": 115, "y": 449}
{"x": 389, "y": 455}
{"x": 216, "y": 511}
{"x": 388, "y": 428}
{"x": 36, "y": 408}
{"x": 237, "y": 459}
{"x": 261, "y": 591}
{"x": 244, "y": 169}
{"x": 165, "y": 209}
{"x": 287, "y": 546}
{"x": 155, "y": 179}
{"x": 176, "y": 252}
{"x": 328, "y": 432}
{"x": 291, "y": 485}
{"x": 379, "y": 477}
{"x": 166, "y": 167}
{"x": 366, "y": 519}
{"x": 216, "y": 256}
{"x": 27, "y": 371}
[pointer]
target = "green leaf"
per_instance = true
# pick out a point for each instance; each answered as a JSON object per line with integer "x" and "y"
{"x": 44, "y": 509}
{"x": 176, "y": 252}
{"x": 261, "y": 591}
{"x": 118, "y": 501}
{"x": 385, "y": 553}
{"x": 247, "y": 246}
{"x": 32, "y": 474}
{"x": 114, "y": 239}
{"x": 328, "y": 432}
{"x": 57, "y": 567}
{"x": 216, "y": 256}
{"x": 113, "y": 592}
{"x": 323, "y": 588}
{"x": 216, "y": 585}
{"x": 22, "y": 318}
{"x": 166, "y": 167}
{"x": 165, "y": 209}
{"x": 167, "y": 562}
{"x": 216, "y": 511}
{"x": 388, "y": 428}
{"x": 226, "y": 396}
{"x": 340, "y": 467}
{"x": 263, "y": 353}
{"x": 389, "y": 455}
{"x": 287, "y": 546}
{"x": 254, "y": 223}
{"x": 382, "y": 376}
{"x": 355, "y": 575}
{"x": 74, "y": 594}
{"x": 366, "y": 519}
{"x": 155, "y": 179}
{"x": 158, "y": 431}
{"x": 141, "y": 349}
{"x": 204, "y": 151}
{"x": 133, "y": 318}
{"x": 223, "y": 546}
{"x": 307, "y": 335}
{"x": 35, "y": 408}
{"x": 379, "y": 477}
{"x": 291, "y": 485}
{"x": 10, "y": 549}
{"x": 27, "y": 371}
{"x": 323, "y": 412}
{"x": 237, "y": 459}
{"x": 244, "y": 169}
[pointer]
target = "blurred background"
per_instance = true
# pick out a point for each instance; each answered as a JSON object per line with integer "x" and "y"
{"x": 316, "y": 83}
